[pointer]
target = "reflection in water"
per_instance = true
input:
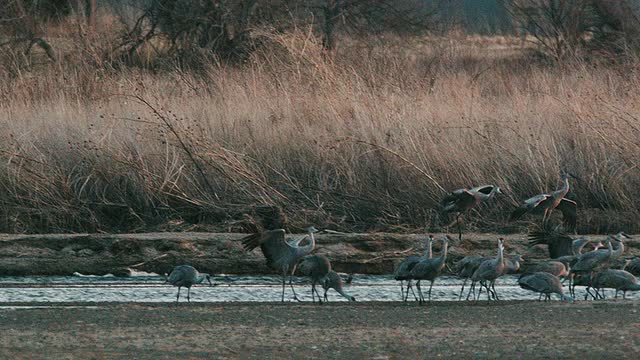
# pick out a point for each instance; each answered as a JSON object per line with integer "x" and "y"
{"x": 152, "y": 288}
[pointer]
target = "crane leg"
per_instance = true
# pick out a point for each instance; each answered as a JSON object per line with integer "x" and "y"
{"x": 624, "y": 294}
{"x": 464, "y": 282}
{"x": 595, "y": 297}
{"x": 472, "y": 289}
{"x": 409, "y": 286}
{"x": 402, "y": 289}
{"x": 488, "y": 288}
{"x": 178, "y": 297}
{"x": 430, "y": 287}
{"x": 295, "y": 296}
{"x": 421, "y": 297}
{"x": 479, "y": 292}
{"x": 540, "y": 297}
{"x": 414, "y": 294}
{"x": 325, "y": 295}
{"x": 459, "y": 227}
{"x": 313, "y": 290}
{"x": 189, "y": 294}
{"x": 493, "y": 287}
{"x": 284, "y": 284}
{"x": 616, "y": 294}
{"x": 572, "y": 285}
{"x": 319, "y": 298}
{"x": 548, "y": 216}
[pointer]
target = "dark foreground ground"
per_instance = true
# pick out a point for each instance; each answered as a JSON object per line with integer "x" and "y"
{"x": 335, "y": 331}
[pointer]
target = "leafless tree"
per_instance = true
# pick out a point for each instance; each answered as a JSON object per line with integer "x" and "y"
{"x": 563, "y": 27}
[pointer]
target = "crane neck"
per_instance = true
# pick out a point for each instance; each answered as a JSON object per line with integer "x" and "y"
{"x": 345, "y": 295}
{"x": 309, "y": 247}
{"x": 493, "y": 192}
{"x": 429, "y": 252}
{"x": 500, "y": 256}
{"x": 577, "y": 250}
{"x": 200, "y": 278}
{"x": 489, "y": 196}
{"x": 514, "y": 263}
{"x": 618, "y": 251}
{"x": 565, "y": 187}
{"x": 443, "y": 256}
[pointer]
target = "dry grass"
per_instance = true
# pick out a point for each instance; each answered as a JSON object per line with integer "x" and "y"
{"x": 366, "y": 141}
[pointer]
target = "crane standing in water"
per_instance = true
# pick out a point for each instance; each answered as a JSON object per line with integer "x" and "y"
{"x": 281, "y": 255}
{"x": 186, "y": 275}
{"x": 489, "y": 271}
{"x": 544, "y": 283}
{"x": 430, "y": 269}
{"x": 334, "y": 281}
{"x": 403, "y": 271}
{"x": 466, "y": 267}
{"x": 317, "y": 267}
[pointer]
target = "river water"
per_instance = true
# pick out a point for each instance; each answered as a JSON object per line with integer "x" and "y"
{"x": 152, "y": 288}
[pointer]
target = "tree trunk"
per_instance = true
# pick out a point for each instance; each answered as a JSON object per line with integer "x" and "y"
{"x": 331, "y": 13}
{"x": 90, "y": 13}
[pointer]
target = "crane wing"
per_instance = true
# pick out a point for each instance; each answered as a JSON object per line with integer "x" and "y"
{"x": 569, "y": 210}
{"x": 528, "y": 205}
{"x": 559, "y": 242}
{"x": 538, "y": 281}
{"x": 485, "y": 189}
{"x": 452, "y": 196}
{"x": 275, "y": 248}
{"x": 252, "y": 241}
{"x": 271, "y": 217}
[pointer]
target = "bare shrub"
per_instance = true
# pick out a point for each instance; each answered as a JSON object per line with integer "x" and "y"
{"x": 361, "y": 141}
{"x": 564, "y": 29}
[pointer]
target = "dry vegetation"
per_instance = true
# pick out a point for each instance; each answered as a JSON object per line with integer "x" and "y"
{"x": 368, "y": 139}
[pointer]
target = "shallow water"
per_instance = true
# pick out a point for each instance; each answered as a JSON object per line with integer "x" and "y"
{"x": 152, "y": 288}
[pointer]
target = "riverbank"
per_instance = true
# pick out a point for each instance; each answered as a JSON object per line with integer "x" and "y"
{"x": 531, "y": 329}
{"x": 99, "y": 254}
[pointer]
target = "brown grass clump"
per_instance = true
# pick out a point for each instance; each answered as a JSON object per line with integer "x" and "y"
{"x": 366, "y": 140}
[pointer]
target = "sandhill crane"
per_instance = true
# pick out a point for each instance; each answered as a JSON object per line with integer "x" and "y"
{"x": 281, "y": 255}
{"x": 512, "y": 264}
{"x": 620, "y": 280}
{"x": 430, "y": 269}
{"x": 559, "y": 243}
{"x": 633, "y": 266}
{"x": 186, "y": 275}
{"x": 316, "y": 267}
{"x": 548, "y": 202}
{"x": 577, "y": 251}
{"x": 334, "y": 281}
{"x": 553, "y": 267}
{"x": 544, "y": 283}
{"x": 462, "y": 200}
{"x": 403, "y": 271}
{"x": 594, "y": 260}
{"x": 466, "y": 267}
{"x": 489, "y": 271}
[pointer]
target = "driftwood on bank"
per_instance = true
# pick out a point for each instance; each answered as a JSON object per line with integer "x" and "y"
{"x": 99, "y": 254}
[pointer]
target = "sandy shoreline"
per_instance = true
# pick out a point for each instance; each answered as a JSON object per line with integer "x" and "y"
{"x": 526, "y": 329}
